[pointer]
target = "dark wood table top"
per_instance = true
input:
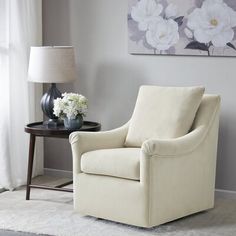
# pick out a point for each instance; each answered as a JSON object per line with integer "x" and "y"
{"x": 39, "y": 129}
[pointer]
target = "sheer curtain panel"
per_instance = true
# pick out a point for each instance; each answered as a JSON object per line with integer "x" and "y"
{"x": 20, "y": 28}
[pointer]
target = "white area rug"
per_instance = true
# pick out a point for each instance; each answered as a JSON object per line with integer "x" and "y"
{"x": 52, "y": 213}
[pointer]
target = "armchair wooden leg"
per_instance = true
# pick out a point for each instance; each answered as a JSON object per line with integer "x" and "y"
{"x": 30, "y": 164}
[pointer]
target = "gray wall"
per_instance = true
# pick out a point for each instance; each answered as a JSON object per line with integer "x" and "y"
{"x": 110, "y": 77}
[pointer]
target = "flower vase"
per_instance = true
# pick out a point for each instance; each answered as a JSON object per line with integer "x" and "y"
{"x": 75, "y": 123}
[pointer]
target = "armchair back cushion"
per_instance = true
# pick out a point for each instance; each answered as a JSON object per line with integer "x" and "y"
{"x": 163, "y": 113}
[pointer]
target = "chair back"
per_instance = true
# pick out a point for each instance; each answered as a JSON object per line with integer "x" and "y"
{"x": 208, "y": 109}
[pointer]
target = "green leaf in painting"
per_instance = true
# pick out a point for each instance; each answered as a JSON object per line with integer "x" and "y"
{"x": 179, "y": 20}
{"x": 197, "y": 46}
{"x": 231, "y": 46}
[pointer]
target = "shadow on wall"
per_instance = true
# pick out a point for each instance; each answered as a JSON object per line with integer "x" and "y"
{"x": 225, "y": 148}
{"x": 56, "y": 23}
{"x": 115, "y": 85}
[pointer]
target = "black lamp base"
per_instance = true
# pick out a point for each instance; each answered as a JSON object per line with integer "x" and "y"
{"x": 47, "y": 104}
{"x": 53, "y": 123}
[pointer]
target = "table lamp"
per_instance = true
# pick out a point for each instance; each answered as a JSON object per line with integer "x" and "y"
{"x": 51, "y": 65}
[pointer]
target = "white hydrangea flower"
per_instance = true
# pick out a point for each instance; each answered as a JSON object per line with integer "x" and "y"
{"x": 213, "y": 22}
{"x": 145, "y": 11}
{"x": 70, "y": 105}
{"x": 171, "y": 10}
{"x": 162, "y": 34}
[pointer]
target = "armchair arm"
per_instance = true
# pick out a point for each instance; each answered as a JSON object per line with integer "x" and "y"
{"x": 175, "y": 147}
{"x": 82, "y": 142}
{"x": 180, "y": 172}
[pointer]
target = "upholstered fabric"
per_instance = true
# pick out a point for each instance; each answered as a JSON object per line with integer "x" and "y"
{"x": 82, "y": 142}
{"x": 177, "y": 175}
{"x": 117, "y": 162}
{"x": 163, "y": 112}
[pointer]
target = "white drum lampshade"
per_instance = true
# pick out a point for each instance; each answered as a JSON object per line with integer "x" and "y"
{"x": 51, "y": 65}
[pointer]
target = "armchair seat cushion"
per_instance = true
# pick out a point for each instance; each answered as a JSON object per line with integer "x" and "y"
{"x": 118, "y": 162}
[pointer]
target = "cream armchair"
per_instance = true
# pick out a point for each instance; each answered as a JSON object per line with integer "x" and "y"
{"x": 162, "y": 180}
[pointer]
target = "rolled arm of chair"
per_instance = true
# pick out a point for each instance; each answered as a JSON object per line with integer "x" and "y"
{"x": 89, "y": 141}
{"x": 175, "y": 147}
{"x": 179, "y": 171}
{"x": 82, "y": 142}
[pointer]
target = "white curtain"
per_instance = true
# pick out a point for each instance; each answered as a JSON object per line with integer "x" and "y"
{"x": 20, "y": 28}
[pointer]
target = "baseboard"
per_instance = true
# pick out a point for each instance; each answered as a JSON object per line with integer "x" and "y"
{"x": 58, "y": 173}
{"x": 225, "y": 193}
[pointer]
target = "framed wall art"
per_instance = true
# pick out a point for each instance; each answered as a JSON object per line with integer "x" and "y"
{"x": 186, "y": 27}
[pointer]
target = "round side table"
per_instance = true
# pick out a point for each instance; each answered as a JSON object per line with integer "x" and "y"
{"x": 38, "y": 129}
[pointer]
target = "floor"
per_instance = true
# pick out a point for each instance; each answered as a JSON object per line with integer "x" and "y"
{"x": 13, "y": 233}
{"x": 44, "y": 180}
{"x": 59, "y": 218}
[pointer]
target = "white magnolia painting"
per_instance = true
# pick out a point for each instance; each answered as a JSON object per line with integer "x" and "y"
{"x": 182, "y": 27}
